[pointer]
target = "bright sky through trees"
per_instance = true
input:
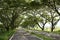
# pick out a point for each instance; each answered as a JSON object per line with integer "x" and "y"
{"x": 49, "y": 25}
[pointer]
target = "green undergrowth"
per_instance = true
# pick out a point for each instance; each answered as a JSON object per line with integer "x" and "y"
{"x": 6, "y": 34}
{"x": 41, "y": 36}
{"x": 57, "y": 32}
{"x": 54, "y": 32}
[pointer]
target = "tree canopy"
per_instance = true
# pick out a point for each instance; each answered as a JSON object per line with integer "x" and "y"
{"x": 13, "y": 12}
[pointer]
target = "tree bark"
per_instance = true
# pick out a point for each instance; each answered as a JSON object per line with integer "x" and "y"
{"x": 43, "y": 28}
{"x": 52, "y": 28}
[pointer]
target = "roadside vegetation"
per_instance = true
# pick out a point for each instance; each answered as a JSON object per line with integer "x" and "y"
{"x": 41, "y": 36}
{"x": 57, "y": 32}
{"x": 6, "y": 34}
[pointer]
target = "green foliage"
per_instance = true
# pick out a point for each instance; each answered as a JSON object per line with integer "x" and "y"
{"x": 30, "y": 21}
{"x": 57, "y": 32}
{"x": 10, "y": 10}
{"x": 11, "y": 3}
{"x": 57, "y": 1}
{"x": 8, "y": 18}
{"x": 34, "y": 3}
{"x": 6, "y": 34}
{"x": 44, "y": 1}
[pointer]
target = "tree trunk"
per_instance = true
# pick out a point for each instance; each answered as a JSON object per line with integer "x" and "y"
{"x": 12, "y": 26}
{"x": 52, "y": 22}
{"x": 39, "y": 25}
{"x": 7, "y": 28}
{"x": 43, "y": 28}
{"x": 52, "y": 29}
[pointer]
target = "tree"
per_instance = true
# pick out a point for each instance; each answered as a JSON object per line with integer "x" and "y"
{"x": 52, "y": 4}
{"x": 29, "y": 22}
{"x": 43, "y": 20}
{"x": 10, "y": 10}
{"x": 4, "y": 18}
{"x": 8, "y": 17}
{"x": 54, "y": 21}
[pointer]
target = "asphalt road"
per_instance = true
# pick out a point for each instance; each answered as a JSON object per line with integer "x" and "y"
{"x": 23, "y": 35}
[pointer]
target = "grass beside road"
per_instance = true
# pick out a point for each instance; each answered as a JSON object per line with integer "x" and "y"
{"x": 57, "y": 32}
{"x": 6, "y": 35}
{"x": 41, "y": 36}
